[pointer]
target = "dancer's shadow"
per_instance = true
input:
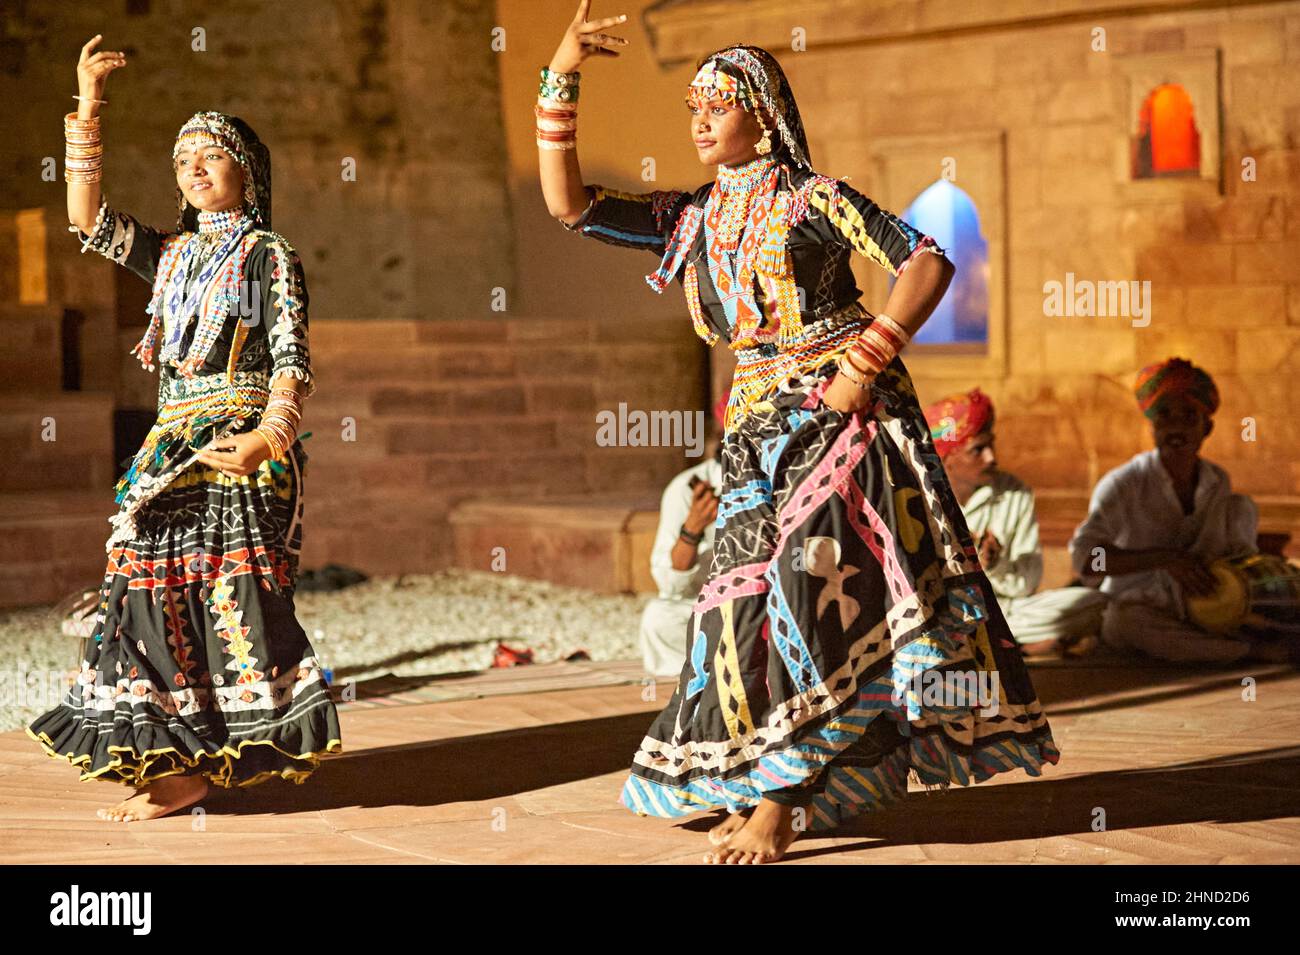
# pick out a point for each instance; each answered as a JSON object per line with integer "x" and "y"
{"x": 1247, "y": 787}
{"x": 464, "y": 769}
{"x": 1057, "y": 686}
{"x": 413, "y": 656}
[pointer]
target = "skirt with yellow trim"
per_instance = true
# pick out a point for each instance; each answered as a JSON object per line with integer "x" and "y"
{"x": 847, "y": 639}
{"x": 197, "y": 663}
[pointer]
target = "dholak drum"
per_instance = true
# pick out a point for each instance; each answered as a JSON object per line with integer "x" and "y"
{"x": 1259, "y": 595}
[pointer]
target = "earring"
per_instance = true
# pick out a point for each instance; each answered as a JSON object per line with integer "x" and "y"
{"x": 764, "y": 144}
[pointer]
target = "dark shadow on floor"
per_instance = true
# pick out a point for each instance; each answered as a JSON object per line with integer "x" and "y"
{"x": 1247, "y": 787}
{"x": 468, "y": 768}
{"x": 1057, "y": 686}
{"x": 411, "y": 656}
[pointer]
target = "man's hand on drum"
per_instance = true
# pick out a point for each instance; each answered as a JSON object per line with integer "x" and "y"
{"x": 1192, "y": 574}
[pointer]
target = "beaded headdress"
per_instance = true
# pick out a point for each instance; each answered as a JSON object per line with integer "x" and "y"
{"x": 236, "y": 137}
{"x": 749, "y": 77}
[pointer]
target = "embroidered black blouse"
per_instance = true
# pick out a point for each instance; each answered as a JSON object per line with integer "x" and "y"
{"x": 823, "y": 221}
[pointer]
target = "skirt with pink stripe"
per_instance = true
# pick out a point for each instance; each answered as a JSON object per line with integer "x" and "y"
{"x": 847, "y": 638}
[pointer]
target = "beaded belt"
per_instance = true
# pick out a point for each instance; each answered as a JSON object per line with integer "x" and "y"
{"x": 762, "y": 368}
{"x": 183, "y": 398}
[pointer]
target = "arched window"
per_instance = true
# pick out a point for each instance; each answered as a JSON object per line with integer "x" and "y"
{"x": 946, "y": 213}
{"x": 1167, "y": 143}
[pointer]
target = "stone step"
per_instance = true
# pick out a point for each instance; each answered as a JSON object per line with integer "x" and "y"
{"x": 402, "y": 547}
{"x": 343, "y": 335}
{"x": 32, "y": 357}
{"x": 330, "y": 336}
{"x": 482, "y": 472}
{"x": 57, "y": 441}
{"x": 527, "y": 360}
{"x": 411, "y": 362}
{"x": 41, "y": 265}
{"x": 567, "y": 396}
{"x": 601, "y": 541}
{"x": 51, "y": 543}
{"x": 402, "y": 435}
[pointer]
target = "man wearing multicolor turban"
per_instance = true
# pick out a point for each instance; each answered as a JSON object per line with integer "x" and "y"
{"x": 1156, "y": 522}
{"x": 999, "y": 510}
{"x": 681, "y": 556}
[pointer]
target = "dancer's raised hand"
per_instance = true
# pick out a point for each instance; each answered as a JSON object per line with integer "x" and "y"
{"x": 92, "y": 73}
{"x": 585, "y": 38}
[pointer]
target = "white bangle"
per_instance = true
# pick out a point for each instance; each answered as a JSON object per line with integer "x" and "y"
{"x": 894, "y": 327}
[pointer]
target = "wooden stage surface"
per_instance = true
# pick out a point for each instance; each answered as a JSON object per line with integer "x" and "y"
{"x": 518, "y": 771}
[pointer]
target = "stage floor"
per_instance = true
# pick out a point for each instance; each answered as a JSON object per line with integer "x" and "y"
{"x": 1185, "y": 770}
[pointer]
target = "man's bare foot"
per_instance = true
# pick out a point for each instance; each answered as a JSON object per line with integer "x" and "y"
{"x": 159, "y": 798}
{"x": 724, "y": 830}
{"x": 764, "y": 837}
{"x": 1042, "y": 648}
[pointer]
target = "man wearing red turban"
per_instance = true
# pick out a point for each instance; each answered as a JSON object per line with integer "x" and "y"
{"x": 999, "y": 510}
{"x": 1155, "y": 523}
{"x": 1176, "y": 378}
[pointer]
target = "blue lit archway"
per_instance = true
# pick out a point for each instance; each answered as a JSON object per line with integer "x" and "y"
{"x": 948, "y": 214}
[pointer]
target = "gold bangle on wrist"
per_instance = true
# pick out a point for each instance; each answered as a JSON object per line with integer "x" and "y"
{"x": 262, "y": 435}
{"x": 858, "y": 378}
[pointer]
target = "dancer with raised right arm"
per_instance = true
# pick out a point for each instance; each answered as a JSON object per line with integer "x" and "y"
{"x": 844, "y": 580}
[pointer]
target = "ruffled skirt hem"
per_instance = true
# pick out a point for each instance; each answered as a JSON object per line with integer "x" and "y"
{"x": 245, "y": 763}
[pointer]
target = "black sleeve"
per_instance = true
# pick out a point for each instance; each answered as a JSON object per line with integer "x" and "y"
{"x": 125, "y": 240}
{"x": 636, "y": 220}
{"x": 840, "y": 214}
{"x": 275, "y": 266}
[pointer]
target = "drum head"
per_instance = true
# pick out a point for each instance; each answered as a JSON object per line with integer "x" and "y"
{"x": 1224, "y": 610}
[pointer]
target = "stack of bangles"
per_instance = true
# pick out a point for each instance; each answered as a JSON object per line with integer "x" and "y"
{"x": 557, "y": 110}
{"x": 689, "y": 537}
{"x": 279, "y": 425}
{"x": 84, "y": 153}
{"x": 873, "y": 350}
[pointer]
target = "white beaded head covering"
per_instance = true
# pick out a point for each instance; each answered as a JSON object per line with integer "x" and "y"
{"x": 749, "y": 76}
{"x": 210, "y": 128}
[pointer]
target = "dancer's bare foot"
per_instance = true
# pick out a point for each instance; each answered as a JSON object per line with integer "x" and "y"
{"x": 764, "y": 837}
{"x": 724, "y": 830}
{"x": 159, "y": 798}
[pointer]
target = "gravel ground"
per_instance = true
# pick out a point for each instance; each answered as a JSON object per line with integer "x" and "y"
{"x": 410, "y": 625}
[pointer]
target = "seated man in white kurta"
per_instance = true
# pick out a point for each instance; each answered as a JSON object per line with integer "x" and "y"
{"x": 1157, "y": 521}
{"x": 680, "y": 559}
{"x": 999, "y": 510}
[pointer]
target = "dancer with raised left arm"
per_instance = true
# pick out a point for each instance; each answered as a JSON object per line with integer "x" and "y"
{"x": 199, "y": 673}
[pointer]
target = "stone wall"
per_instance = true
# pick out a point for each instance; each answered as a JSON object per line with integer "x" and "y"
{"x": 1224, "y": 261}
{"x": 406, "y": 90}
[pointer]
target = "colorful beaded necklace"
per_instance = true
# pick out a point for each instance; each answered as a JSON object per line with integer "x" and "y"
{"x": 737, "y": 220}
{"x": 213, "y": 294}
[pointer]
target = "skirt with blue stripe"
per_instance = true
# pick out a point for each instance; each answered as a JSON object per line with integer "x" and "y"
{"x": 847, "y": 638}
